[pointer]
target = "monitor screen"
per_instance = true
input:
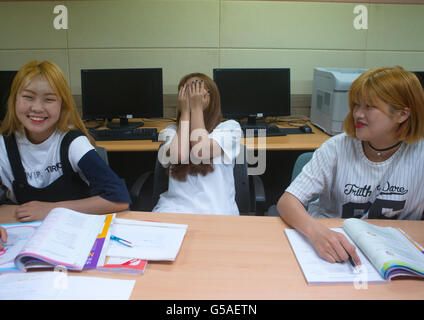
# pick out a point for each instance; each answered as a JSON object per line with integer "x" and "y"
{"x": 254, "y": 92}
{"x": 420, "y": 76}
{"x": 122, "y": 93}
{"x": 6, "y": 78}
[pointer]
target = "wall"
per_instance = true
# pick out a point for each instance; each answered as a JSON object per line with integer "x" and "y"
{"x": 182, "y": 36}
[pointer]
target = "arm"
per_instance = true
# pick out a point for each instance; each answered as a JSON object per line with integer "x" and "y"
{"x": 179, "y": 148}
{"x": 109, "y": 193}
{"x": 330, "y": 245}
{"x": 202, "y": 146}
{"x": 37, "y": 210}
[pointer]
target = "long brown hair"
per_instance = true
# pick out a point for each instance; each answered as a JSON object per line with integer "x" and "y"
{"x": 212, "y": 116}
{"x": 69, "y": 118}
{"x": 398, "y": 88}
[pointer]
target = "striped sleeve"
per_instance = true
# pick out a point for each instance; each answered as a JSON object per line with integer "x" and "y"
{"x": 317, "y": 175}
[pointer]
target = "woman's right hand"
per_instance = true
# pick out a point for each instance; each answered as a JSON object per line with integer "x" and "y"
{"x": 333, "y": 246}
{"x": 183, "y": 102}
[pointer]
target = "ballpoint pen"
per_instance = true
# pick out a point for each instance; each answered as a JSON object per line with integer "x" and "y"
{"x": 121, "y": 241}
{"x": 356, "y": 267}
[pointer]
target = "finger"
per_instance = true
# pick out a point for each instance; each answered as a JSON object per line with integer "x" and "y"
{"x": 21, "y": 214}
{"x": 3, "y": 235}
{"x": 329, "y": 257}
{"x": 351, "y": 250}
{"x": 339, "y": 249}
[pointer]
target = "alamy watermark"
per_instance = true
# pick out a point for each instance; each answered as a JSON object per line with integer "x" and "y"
{"x": 360, "y": 22}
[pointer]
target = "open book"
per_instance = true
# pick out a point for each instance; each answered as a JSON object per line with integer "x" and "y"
{"x": 391, "y": 251}
{"x": 65, "y": 237}
{"x": 384, "y": 252}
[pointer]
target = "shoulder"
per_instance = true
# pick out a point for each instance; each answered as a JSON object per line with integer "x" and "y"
{"x": 78, "y": 147}
{"x": 228, "y": 125}
{"x": 168, "y": 133}
{"x": 339, "y": 142}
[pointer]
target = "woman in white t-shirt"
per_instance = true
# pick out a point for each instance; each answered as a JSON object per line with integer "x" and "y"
{"x": 46, "y": 156}
{"x": 199, "y": 152}
{"x": 373, "y": 170}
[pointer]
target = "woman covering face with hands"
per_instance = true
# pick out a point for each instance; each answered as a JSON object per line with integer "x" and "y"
{"x": 199, "y": 152}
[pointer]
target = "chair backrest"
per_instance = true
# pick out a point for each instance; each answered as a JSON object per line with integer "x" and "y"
{"x": 103, "y": 154}
{"x": 241, "y": 181}
{"x": 301, "y": 160}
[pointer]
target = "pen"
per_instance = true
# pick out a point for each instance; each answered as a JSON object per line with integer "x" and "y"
{"x": 356, "y": 268}
{"x": 121, "y": 241}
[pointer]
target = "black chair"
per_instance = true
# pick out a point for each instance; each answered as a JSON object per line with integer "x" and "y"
{"x": 250, "y": 193}
{"x": 301, "y": 160}
{"x": 103, "y": 154}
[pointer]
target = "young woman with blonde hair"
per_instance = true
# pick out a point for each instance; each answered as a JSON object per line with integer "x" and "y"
{"x": 373, "y": 170}
{"x": 46, "y": 158}
{"x": 199, "y": 152}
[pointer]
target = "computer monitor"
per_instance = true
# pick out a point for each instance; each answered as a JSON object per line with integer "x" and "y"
{"x": 253, "y": 93}
{"x": 6, "y": 78}
{"x": 123, "y": 94}
{"x": 420, "y": 76}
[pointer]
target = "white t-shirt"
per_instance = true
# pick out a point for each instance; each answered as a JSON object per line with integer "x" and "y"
{"x": 41, "y": 162}
{"x": 344, "y": 179}
{"x": 210, "y": 194}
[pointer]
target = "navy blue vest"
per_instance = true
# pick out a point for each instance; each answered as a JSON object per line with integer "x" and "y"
{"x": 69, "y": 186}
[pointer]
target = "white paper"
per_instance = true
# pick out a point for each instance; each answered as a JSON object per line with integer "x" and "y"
{"x": 150, "y": 240}
{"x": 318, "y": 270}
{"x": 61, "y": 286}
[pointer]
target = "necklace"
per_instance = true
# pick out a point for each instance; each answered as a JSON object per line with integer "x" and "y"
{"x": 379, "y": 151}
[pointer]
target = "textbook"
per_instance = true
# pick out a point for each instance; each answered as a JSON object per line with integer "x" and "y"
{"x": 385, "y": 253}
{"x": 123, "y": 265}
{"x": 65, "y": 237}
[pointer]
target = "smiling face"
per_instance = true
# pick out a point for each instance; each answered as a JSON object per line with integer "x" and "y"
{"x": 38, "y": 109}
{"x": 376, "y": 124}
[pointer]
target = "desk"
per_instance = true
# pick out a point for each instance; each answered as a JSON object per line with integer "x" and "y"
{"x": 245, "y": 257}
{"x": 284, "y": 143}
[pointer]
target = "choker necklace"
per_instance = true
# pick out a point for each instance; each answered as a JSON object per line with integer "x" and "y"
{"x": 379, "y": 151}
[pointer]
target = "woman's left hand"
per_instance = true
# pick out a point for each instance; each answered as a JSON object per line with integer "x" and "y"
{"x": 33, "y": 211}
{"x": 197, "y": 95}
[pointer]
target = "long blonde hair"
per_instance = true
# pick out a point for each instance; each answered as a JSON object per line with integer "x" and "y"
{"x": 69, "y": 118}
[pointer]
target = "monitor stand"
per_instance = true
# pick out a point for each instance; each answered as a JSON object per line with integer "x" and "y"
{"x": 251, "y": 122}
{"x": 124, "y": 124}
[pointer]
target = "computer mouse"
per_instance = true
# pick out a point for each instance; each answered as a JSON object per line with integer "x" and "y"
{"x": 305, "y": 129}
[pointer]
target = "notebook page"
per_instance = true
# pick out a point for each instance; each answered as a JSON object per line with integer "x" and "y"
{"x": 151, "y": 240}
{"x": 65, "y": 237}
{"x": 317, "y": 270}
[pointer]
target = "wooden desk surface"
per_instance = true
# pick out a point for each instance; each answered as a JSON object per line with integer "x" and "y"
{"x": 288, "y": 142}
{"x": 247, "y": 257}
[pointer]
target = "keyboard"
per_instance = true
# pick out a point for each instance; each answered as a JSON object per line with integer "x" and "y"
{"x": 125, "y": 134}
{"x": 271, "y": 131}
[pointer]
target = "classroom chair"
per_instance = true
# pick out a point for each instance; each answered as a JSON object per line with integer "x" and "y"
{"x": 250, "y": 192}
{"x": 301, "y": 160}
{"x": 103, "y": 154}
